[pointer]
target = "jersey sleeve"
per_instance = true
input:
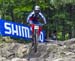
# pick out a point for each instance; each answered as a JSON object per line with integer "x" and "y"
{"x": 28, "y": 18}
{"x": 44, "y": 19}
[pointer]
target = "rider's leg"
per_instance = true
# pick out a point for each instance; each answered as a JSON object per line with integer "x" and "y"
{"x": 32, "y": 28}
{"x": 32, "y": 33}
{"x": 39, "y": 30}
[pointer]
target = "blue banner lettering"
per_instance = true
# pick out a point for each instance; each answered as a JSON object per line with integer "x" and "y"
{"x": 17, "y": 30}
{"x": 42, "y": 37}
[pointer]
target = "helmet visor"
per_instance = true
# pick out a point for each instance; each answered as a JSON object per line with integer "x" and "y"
{"x": 37, "y": 11}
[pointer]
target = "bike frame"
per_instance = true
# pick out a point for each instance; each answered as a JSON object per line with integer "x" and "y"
{"x": 35, "y": 37}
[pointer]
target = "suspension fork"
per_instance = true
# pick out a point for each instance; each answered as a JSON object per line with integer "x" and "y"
{"x": 35, "y": 40}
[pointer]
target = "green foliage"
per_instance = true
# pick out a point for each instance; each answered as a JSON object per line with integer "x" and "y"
{"x": 58, "y": 13}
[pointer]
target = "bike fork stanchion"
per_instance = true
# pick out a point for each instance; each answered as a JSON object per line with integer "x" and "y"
{"x": 35, "y": 41}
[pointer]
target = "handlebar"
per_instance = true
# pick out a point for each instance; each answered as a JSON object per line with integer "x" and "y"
{"x": 39, "y": 24}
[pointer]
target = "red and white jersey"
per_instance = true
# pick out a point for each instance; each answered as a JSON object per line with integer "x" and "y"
{"x": 32, "y": 16}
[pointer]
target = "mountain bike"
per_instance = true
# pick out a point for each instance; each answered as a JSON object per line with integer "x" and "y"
{"x": 35, "y": 39}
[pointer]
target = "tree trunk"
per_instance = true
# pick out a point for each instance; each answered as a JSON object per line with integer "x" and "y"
{"x": 70, "y": 32}
{"x": 63, "y": 30}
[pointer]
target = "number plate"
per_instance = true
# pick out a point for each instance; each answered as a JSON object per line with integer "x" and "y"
{"x": 36, "y": 27}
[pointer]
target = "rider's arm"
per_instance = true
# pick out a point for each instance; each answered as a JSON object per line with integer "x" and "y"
{"x": 28, "y": 18}
{"x": 44, "y": 19}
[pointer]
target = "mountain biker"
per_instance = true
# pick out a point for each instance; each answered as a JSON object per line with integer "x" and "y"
{"x": 33, "y": 18}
